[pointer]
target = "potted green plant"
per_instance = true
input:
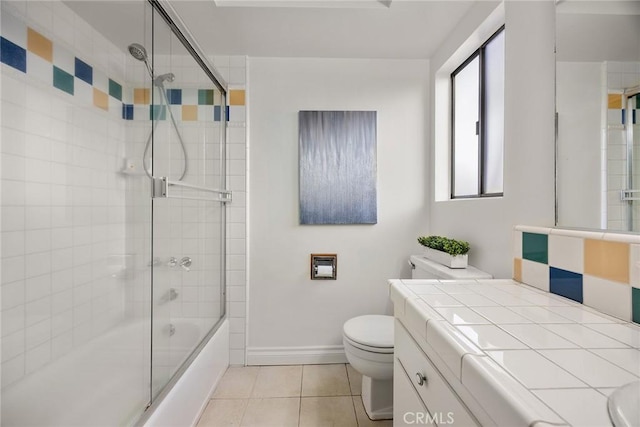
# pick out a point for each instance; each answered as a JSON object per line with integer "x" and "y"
{"x": 445, "y": 251}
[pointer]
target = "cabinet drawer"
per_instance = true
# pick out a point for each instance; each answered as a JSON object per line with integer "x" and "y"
{"x": 408, "y": 409}
{"x": 438, "y": 397}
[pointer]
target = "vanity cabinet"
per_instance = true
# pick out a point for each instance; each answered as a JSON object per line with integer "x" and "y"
{"x": 422, "y": 396}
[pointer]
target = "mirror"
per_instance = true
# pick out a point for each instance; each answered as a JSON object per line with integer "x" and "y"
{"x": 598, "y": 122}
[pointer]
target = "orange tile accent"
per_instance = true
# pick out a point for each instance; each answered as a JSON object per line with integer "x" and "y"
{"x": 236, "y": 97}
{"x": 100, "y": 99}
{"x": 39, "y": 44}
{"x": 141, "y": 96}
{"x": 189, "y": 113}
{"x": 517, "y": 269}
{"x": 615, "y": 101}
{"x": 607, "y": 260}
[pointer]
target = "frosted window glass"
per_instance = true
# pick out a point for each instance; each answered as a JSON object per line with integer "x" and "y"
{"x": 494, "y": 115}
{"x": 465, "y": 144}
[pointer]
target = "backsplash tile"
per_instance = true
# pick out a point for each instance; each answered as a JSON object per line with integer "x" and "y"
{"x": 600, "y": 270}
{"x": 535, "y": 274}
{"x": 635, "y": 304}
{"x": 535, "y": 247}
{"x": 517, "y": 269}
{"x": 607, "y": 260}
{"x": 610, "y": 297}
{"x": 566, "y": 253}
{"x": 566, "y": 283}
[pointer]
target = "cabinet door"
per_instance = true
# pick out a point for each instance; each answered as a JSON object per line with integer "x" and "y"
{"x": 408, "y": 409}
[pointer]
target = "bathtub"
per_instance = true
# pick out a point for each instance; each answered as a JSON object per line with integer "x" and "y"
{"x": 106, "y": 382}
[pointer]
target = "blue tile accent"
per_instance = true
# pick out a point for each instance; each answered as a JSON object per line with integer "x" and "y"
{"x": 566, "y": 283}
{"x": 624, "y": 117}
{"x": 84, "y": 71}
{"x": 174, "y": 96}
{"x": 127, "y": 111}
{"x": 217, "y": 110}
{"x": 13, "y": 55}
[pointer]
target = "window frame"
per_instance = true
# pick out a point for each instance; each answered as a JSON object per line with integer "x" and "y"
{"x": 480, "y": 126}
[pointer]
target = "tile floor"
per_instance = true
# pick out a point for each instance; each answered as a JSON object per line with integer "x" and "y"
{"x": 299, "y": 395}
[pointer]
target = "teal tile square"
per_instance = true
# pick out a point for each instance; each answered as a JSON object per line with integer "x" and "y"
{"x": 535, "y": 247}
{"x": 157, "y": 112}
{"x": 63, "y": 80}
{"x": 205, "y": 97}
{"x": 635, "y": 305}
{"x": 115, "y": 90}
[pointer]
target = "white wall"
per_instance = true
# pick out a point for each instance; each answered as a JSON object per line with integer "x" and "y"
{"x": 529, "y": 138}
{"x": 287, "y": 311}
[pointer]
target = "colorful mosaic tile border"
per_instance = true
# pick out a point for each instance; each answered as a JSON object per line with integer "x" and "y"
{"x": 28, "y": 51}
{"x": 601, "y": 270}
{"x": 617, "y": 115}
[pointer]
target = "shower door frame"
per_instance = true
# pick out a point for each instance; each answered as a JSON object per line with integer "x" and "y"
{"x": 179, "y": 29}
{"x": 630, "y": 194}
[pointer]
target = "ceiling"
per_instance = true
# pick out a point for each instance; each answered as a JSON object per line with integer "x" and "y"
{"x": 400, "y": 29}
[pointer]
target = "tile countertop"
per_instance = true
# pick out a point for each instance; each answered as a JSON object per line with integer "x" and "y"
{"x": 525, "y": 356}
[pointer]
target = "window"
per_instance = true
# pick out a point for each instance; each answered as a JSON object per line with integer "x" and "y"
{"x": 477, "y": 121}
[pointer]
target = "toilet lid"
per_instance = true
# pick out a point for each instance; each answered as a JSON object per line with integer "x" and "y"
{"x": 371, "y": 330}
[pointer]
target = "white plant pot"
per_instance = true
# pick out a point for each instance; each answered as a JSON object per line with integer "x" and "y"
{"x": 451, "y": 261}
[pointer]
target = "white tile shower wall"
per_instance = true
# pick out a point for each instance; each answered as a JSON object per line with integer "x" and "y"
{"x": 63, "y": 235}
{"x": 234, "y": 70}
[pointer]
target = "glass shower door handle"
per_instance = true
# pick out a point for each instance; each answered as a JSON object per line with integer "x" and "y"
{"x": 162, "y": 185}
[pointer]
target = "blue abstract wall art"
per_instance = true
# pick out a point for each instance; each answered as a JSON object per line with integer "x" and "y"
{"x": 337, "y": 160}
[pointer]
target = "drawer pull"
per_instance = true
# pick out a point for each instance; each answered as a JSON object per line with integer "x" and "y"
{"x": 422, "y": 380}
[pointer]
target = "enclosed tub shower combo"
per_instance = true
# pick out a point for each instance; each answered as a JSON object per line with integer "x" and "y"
{"x": 113, "y": 206}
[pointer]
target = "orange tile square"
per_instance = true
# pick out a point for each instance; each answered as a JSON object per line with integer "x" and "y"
{"x": 189, "y": 113}
{"x": 39, "y": 44}
{"x": 607, "y": 260}
{"x": 141, "y": 96}
{"x": 236, "y": 97}
{"x": 100, "y": 99}
{"x": 517, "y": 269}
{"x": 615, "y": 101}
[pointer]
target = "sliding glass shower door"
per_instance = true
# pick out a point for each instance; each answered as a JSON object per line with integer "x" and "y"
{"x": 187, "y": 157}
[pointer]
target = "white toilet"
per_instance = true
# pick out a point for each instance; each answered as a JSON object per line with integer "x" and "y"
{"x": 368, "y": 341}
{"x": 368, "y": 344}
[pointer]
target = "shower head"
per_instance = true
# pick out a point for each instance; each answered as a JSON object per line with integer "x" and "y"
{"x": 138, "y": 51}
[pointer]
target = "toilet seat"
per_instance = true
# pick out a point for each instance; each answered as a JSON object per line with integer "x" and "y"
{"x": 373, "y": 333}
{"x": 366, "y": 348}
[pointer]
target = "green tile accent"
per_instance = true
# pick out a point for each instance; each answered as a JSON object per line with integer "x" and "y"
{"x": 115, "y": 90}
{"x": 535, "y": 247}
{"x": 62, "y": 80}
{"x": 205, "y": 97}
{"x": 157, "y": 112}
{"x": 635, "y": 305}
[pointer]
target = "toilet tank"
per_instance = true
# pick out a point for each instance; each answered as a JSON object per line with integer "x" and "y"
{"x": 422, "y": 268}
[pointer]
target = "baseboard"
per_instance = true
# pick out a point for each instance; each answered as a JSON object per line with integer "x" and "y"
{"x": 310, "y": 355}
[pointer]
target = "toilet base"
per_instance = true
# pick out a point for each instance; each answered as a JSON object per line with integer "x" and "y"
{"x": 377, "y": 398}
